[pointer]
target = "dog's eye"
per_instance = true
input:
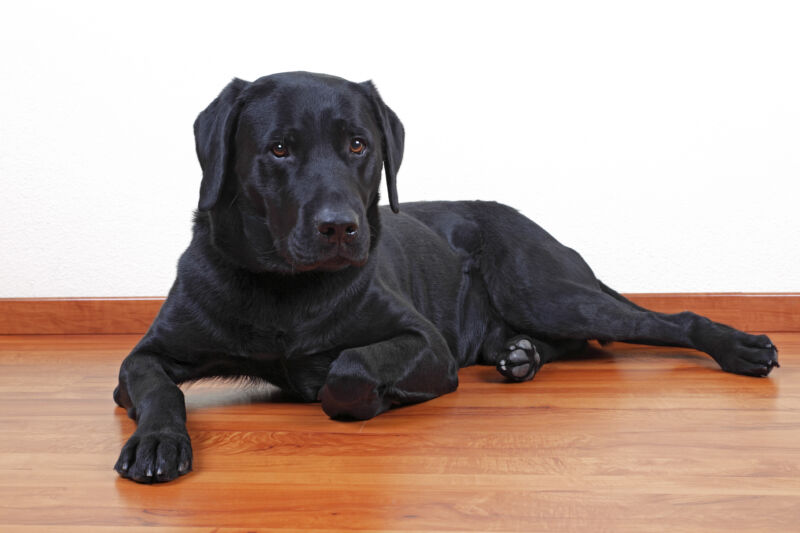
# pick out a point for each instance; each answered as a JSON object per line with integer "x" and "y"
{"x": 357, "y": 146}
{"x": 280, "y": 150}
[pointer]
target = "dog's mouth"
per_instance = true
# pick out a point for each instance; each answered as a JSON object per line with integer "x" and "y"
{"x": 330, "y": 257}
{"x": 331, "y": 264}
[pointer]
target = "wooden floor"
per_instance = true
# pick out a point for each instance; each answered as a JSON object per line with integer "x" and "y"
{"x": 629, "y": 439}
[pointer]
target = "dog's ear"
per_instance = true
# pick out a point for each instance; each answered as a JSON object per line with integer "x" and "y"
{"x": 213, "y": 137}
{"x": 393, "y": 140}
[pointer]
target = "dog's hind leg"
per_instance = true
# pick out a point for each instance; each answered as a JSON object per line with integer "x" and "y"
{"x": 520, "y": 357}
{"x": 542, "y": 288}
{"x": 598, "y": 315}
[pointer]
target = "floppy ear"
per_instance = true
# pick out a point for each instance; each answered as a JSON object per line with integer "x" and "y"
{"x": 213, "y": 137}
{"x": 393, "y": 140}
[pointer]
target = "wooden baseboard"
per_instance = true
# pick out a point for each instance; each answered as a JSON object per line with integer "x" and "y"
{"x": 65, "y": 316}
{"x": 760, "y": 312}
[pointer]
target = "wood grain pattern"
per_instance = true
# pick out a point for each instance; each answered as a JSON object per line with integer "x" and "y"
{"x": 626, "y": 438}
{"x": 71, "y": 316}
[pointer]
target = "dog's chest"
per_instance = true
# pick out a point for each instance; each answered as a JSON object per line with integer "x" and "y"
{"x": 265, "y": 341}
{"x": 286, "y": 335}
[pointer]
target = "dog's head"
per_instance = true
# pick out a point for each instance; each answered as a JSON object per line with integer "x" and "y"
{"x": 291, "y": 170}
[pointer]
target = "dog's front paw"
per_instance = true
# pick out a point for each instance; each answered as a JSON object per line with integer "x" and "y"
{"x": 155, "y": 456}
{"x": 750, "y": 355}
{"x": 520, "y": 361}
{"x": 351, "y": 398}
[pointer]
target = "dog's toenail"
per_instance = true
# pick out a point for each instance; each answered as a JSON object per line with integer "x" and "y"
{"x": 149, "y": 473}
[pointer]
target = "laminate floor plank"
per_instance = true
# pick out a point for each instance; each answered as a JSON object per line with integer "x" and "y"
{"x": 625, "y": 438}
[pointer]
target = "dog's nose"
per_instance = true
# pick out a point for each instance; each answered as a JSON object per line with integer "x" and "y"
{"x": 337, "y": 226}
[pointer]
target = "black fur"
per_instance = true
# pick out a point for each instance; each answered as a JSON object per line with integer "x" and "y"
{"x": 295, "y": 276}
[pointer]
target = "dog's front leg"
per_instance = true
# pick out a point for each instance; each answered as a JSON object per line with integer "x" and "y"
{"x": 410, "y": 368}
{"x": 159, "y": 449}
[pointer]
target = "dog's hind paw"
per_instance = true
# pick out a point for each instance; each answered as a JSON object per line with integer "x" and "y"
{"x": 520, "y": 360}
{"x": 750, "y": 355}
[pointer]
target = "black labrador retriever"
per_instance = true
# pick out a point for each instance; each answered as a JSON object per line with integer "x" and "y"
{"x": 295, "y": 276}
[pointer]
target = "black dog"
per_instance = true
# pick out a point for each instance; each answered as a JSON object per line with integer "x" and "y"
{"x": 295, "y": 276}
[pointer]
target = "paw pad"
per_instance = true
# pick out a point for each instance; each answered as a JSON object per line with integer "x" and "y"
{"x": 520, "y": 361}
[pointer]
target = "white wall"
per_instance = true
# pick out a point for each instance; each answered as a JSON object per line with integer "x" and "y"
{"x": 660, "y": 139}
